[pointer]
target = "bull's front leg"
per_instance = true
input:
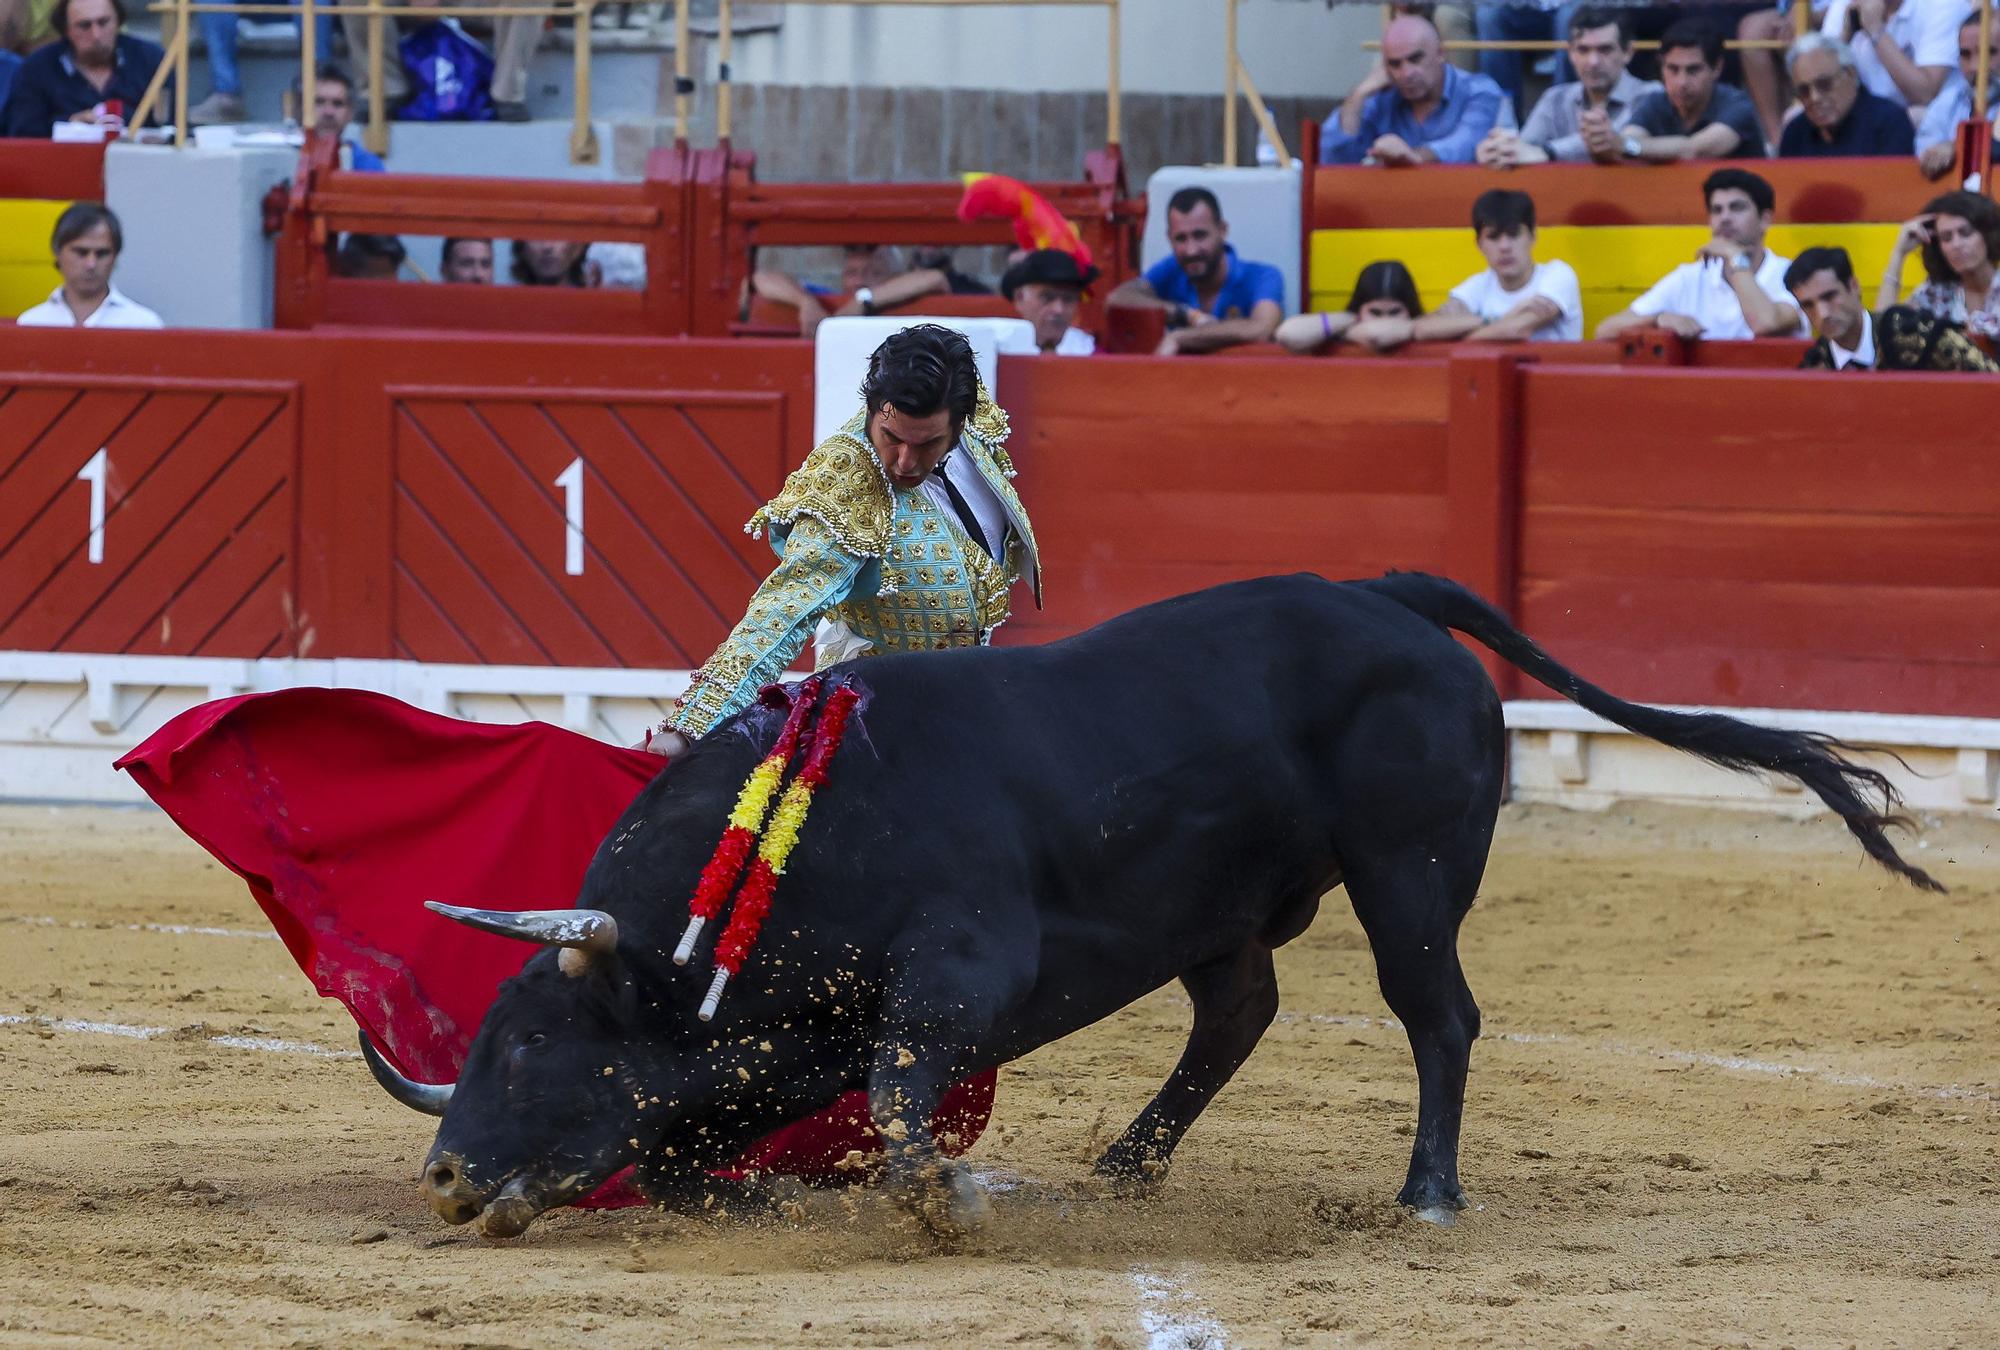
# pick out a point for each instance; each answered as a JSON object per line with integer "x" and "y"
{"x": 911, "y": 1072}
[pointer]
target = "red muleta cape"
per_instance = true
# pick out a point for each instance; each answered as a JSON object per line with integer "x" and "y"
{"x": 345, "y": 810}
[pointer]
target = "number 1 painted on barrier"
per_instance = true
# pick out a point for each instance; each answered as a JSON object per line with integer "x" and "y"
{"x": 570, "y": 480}
{"x": 93, "y": 472}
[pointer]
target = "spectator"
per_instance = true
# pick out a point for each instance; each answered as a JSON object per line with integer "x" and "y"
{"x": 515, "y": 38}
{"x": 547, "y": 262}
{"x": 93, "y": 73}
{"x": 1839, "y": 117}
{"x": 1413, "y": 108}
{"x": 1516, "y": 299}
{"x": 1454, "y": 24}
{"x": 395, "y": 82}
{"x": 1735, "y": 287}
{"x": 1760, "y": 64}
{"x": 782, "y": 289}
{"x": 468, "y": 262}
{"x": 1903, "y": 49}
{"x": 933, "y": 274}
{"x": 1695, "y": 116}
{"x": 1046, "y": 287}
{"x": 1213, "y": 298}
{"x": 1383, "y": 290}
{"x": 615, "y": 267}
{"x": 1848, "y": 337}
{"x": 1959, "y": 237}
{"x": 225, "y": 100}
{"x": 86, "y": 244}
{"x": 1937, "y": 136}
{"x": 1580, "y": 120}
{"x": 1521, "y": 21}
{"x": 10, "y": 66}
{"x": 369, "y": 257}
{"x": 333, "y": 108}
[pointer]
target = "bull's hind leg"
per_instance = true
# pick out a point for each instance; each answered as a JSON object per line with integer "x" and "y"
{"x": 1411, "y": 901}
{"x": 1235, "y": 999}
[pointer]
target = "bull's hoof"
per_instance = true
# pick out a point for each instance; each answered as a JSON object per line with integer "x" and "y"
{"x": 947, "y": 1201}
{"x": 1129, "y": 1170}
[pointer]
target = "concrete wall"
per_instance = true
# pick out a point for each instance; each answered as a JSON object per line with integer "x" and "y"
{"x": 195, "y": 249}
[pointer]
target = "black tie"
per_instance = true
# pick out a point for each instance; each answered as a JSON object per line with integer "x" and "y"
{"x": 965, "y": 516}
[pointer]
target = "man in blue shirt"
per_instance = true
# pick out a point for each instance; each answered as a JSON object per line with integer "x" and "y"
{"x": 1414, "y": 108}
{"x": 1837, "y": 115}
{"x": 1213, "y": 298}
{"x": 1937, "y": 134}
{"x": 333, "y": 115}
{"x": 92, "y": 65}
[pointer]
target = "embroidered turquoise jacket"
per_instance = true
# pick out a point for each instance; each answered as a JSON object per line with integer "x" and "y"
{"x": 885, "y": 563}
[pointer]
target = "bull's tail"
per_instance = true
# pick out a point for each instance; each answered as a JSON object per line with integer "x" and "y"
{"x": 1815, "y": 760}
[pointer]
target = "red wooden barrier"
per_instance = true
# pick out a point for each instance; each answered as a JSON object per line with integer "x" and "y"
{"x": 1712, "y": 536}
{"x": 47, "y": 171}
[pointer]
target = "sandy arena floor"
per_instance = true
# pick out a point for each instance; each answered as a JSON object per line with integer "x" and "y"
{"x": 1737, "y": 1088}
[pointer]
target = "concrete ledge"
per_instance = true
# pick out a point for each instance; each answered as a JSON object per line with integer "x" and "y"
{"x": 1562, "y": 754}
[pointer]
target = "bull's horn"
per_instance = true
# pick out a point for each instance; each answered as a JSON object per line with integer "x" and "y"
{"x": 429, "y": 1098}
{"x": 588, "y": 930}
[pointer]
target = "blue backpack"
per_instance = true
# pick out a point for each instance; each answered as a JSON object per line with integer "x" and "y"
{"x": 451, "y": 76}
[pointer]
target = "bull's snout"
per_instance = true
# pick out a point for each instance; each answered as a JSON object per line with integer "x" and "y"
{"x": 452, "y": 1198}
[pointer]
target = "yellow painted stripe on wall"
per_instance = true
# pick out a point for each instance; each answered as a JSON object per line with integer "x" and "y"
{"x": 1615, "y": 263}
{"x": 26, "y": 273}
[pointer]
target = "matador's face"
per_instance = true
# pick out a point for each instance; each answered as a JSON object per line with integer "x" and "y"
{"x": 910, "y": 447}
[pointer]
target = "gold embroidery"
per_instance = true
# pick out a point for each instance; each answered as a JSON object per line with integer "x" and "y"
{"x": 842, "y": 485}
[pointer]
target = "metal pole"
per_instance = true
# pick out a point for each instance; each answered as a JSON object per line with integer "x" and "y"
{"x": 582, "y": 135}
{"x": 1229, "y": 84}
{"x": 182, "y": 22}
{"x": 683, "y": 85}
{"x": 1985, "y": 59}
{"x": 1114, "y": 122}
{"x": 1801, "y": 19}
{"x": 724, "y": 94}
{"x": 377, "y": 135}
{"x": 308, "y": 54}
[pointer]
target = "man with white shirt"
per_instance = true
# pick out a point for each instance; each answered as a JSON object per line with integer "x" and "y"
{"x": 1516, "y": 299}
{"x": 87, "y": 242}
{"x": 1904, "y": 50}
{"x": 1849, "y": 338}
{"x": 1735, "y": 287}
{"x": 1045, "y": 288}
{"x": 1937, "y": 134}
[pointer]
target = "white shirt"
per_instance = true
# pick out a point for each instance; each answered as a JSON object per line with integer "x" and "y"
{"x": 1700, "y": 291}
{"x": 115, "y": 312}
{"x": 1553, "y": 281}
{"x": 1075, "y": 342}
{"x": 985, "y": 503}
{"x": 1865, "y": 353}
{"x": 1925, "y": 30}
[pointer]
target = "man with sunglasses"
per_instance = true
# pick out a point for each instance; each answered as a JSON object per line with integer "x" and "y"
{"x": 1838, "y": 116}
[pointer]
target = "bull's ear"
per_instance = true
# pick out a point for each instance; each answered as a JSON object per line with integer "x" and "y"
{"x": 583, "y": 934}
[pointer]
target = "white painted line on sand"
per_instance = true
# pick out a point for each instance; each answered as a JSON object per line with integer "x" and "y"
{"x": 267, "y": 1044}
{"x": 1172, "y": 1317}
{"x": 173, "y": 929}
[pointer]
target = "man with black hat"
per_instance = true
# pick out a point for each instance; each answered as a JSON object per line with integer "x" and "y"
{"x": 1046, "y": 286}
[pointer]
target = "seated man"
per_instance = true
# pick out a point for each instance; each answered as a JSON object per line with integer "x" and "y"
{"x": 468, "y": 262}
{"x": 1937, "y": 143}
{"x": 1516, "y": 299}
{"x": 87, "y": 242}
{"x": 1413, "y": 108}
{"x": 1213, "y": 298}
{"x": 1579, "y": 120}
{"x": 1838, "y": 116}
{"x": 1695, "y": 116}
{"x": 1902, "y": 49}
{"x": 1046, "y": 287}
{"x": 1735, "y": 287}
{"x": 333, "y": 115}
{"x": 1848, "y": 337}
{"x": 369, "y": 257}
{"x": 93, "y": 73}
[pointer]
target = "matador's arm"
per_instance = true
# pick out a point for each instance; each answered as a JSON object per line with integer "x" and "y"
{"x": 814, "y": 575}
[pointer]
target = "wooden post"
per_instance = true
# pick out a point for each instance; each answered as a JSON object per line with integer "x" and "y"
{"x": 1262, "y": 112}
{"x": 1985, "y": 62}
{"x": 683, "y": 85}
{"x": 1801, "y": 19}
{"x": 724, "y": 98}
{"x": 1230, "y": 66}
{"x": 1114, "y": 129}
{"x": 376, "y": 137}
{"x": 183, "y": 21}
{"x": 308, "y": 54}
{"x": 582, "y": 135}
{"x": 1482, "y": 485}
{"x": 151, "y": 97}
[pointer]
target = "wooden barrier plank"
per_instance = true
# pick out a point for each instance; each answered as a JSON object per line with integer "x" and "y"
{"x": 425, "y": 631}
{"x": 221, "y": 604}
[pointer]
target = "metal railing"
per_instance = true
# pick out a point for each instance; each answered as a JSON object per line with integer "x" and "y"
{"x": 583, "y": 138}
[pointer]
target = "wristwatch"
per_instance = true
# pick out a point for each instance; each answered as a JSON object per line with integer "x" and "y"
{"x": 866, "y": 295}
{"x": 1740, "y": 263}
{"x": 1630, "y": 145}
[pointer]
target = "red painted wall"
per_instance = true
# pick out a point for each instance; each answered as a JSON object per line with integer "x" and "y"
{"x": 1690, "y": 535}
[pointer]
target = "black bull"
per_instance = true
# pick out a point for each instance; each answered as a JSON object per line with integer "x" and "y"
{"x": 1016, "y": 843}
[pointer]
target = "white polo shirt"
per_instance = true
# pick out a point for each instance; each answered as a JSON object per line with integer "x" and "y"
{"x": 1552, "y": 281}
{"x": 1865, "y": 353}
{"x": 1925, "y": 30}
{"x": 1076, "y": 342}
{"x": 116, "y": 312}
{"x": 1700, "y": 291}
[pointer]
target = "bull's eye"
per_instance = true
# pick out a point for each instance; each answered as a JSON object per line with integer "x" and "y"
{"x": 535, "y": 1038}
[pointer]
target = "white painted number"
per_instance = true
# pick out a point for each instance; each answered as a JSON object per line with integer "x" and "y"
{"x": 93, "y": 473}
{"x": 570, "y": 480}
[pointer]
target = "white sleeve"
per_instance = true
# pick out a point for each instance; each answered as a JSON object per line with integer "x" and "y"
{"x": 1834, "y": 25}
{"x": 1936, "y": 42}
{"x": 1471, "y": 292}
{"x": 1558, "y": 283}
{"x": 1665, "y": 296}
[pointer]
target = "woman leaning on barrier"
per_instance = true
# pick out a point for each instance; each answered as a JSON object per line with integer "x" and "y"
{"x": 1958, "y": 235}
